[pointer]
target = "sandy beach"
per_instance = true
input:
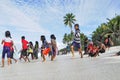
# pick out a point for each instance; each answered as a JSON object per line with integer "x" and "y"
{"x": 104, "y": 67}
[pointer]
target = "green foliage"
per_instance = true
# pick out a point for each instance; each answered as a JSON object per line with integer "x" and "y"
{"x": 68, "y": 38}
{"x": 69, "y": 20}
{"x": 112, "y": 28}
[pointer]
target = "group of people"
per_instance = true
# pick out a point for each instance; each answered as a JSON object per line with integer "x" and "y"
{"x": 90, "y": 48}
{"x": 93, "y": 49}
{"x": 28, "y": 48}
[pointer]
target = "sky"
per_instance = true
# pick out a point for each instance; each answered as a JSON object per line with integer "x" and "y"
{"x": 33, "y": 18}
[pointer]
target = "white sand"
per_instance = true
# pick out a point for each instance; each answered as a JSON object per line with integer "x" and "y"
{"x": 104, "y": 67}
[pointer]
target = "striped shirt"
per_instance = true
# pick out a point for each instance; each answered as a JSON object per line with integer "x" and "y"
{"x": 77, "y": 36}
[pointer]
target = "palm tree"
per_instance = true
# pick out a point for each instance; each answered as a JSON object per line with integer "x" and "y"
{"x": 69, "y": 20}
{"x": 65, "y": 39}
{"x": 112, "y": 27}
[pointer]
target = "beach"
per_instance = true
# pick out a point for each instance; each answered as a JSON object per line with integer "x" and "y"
{"x": 103, "y": 67}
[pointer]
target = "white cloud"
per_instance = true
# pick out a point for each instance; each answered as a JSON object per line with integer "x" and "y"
{"x": 14, "y": 17}
{"x": 94, "y": 10}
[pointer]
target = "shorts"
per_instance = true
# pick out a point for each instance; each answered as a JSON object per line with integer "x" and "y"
{"x": 24, "y": 52}
{"x": 91, "y": 54}
{"x": 108, "y": 45}
{"x": 53, "y": 51}
{"x": 77, "y": 45}
{"x": 102, "y": 51}
{"x": 6, "y": 50}
{"x": 11, "y": 54}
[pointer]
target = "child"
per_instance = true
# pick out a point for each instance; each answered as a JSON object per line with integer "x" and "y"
{"x": 30, "y": 50}
{"x": 90, "y": 48}
{"x": 7, "y": 43}
{"x": 45, "y": 47}
{"x": 85, "y": 46}
{"x": 24, "y": 49}
{"x": 54, "y": 46}
{"x": 102, "y": 48}
{"x": 12, "y": 54}
{"x": 42, "y": 48}
{"x": 93, "y": 52}
{"x": 50, "y": 53}
{"x": 36, "y": 49}
{"x": 77, "y": 41}
{"x": 108, "y": 42}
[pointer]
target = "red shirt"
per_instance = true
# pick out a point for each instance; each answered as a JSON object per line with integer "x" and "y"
{"x": 24, "y": 44}
{"x": 7, "y": 42}
{"x": 90, "y": 46}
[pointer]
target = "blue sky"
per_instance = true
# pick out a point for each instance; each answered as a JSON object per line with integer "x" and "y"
{"x": 33, "y": 18}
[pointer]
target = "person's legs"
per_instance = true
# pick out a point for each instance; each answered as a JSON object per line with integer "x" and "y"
{"x": 85, "y": 50}
{"x": 27, "y": 59}
{"x": 53, "y": 54}
{"x": 26, "y": 55}
{"x": 8, "y": 56}
{"x": 80, "y": 52}
{"x": 37, "y": 55}
{"x": 53, "y": 57}
{"x": 109, "y": 45}
{"x": 3, "y": 56}
{"x": 32, "y": 56}
{"x": 2, "y": 62}
{"x": 9, "y": 61}
{"x": 11, "y": 56}
{"x": 43, "y": 56}
{"x": 72, "y": 50}
{"x": 41, "y": 53}
{"x": 78, "y": 45}
{"x": 20, "y": 56}
{"x": 97, "y": 53}
{"x": 15, "y": 60}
